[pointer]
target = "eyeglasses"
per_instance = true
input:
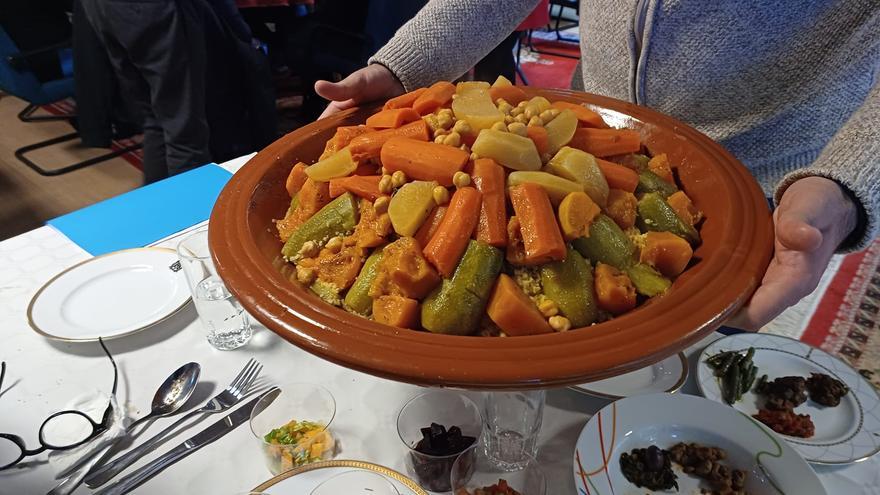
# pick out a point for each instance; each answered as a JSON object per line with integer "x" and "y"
{"x": 63, "y": 430}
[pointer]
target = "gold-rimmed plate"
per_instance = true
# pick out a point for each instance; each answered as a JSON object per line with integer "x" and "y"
{"x": 667, "y": 376}
{"x": 110, "y": 296}
{"x": 305, "y": 479}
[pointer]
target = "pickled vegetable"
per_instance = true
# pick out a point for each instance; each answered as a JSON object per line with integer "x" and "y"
{"x": 474, "y": 105}
{"x": 649, "y": 182}
{"x": 569, "y": 283}
{"x": 607, "y": 244}
{"x": 656, "y": 214}
{"x": 580, "y": 167}
{"x": 560, "y": 130}
{"x": 337, "y": 218}
{"x": 339, "y": 164}
{"x": 358, "y": 299}
{"x": 410, "y": 206}
{"x": 508, "y": 149}
{"x": 556, "y": 187}
{"x": 457, "y": 307}
{"x": 648, "y": 281}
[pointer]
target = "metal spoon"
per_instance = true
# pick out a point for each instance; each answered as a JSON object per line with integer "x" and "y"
{"x": 171, "y": 395}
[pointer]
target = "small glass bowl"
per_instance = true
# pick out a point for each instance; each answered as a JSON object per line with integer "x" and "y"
{"x": 300, "y": 402}
{"x": 443, "y": 407}
{"x": 474, "y": 470}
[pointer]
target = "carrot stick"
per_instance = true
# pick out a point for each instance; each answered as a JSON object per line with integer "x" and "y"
{"x": 364, "y": 186}
{"x": 488, "y": 178}
{"x": 446, "y": 246}
{"x": 439, "y": 94}
{"x": 392, "y": 118}
{"x": 405, "y": 100}
{"x": 606, "y": 142}
{"x": 540, "y": 232}
{"x": 427, "y": 230}
{"x": 296, "y": 179}
{"x": 538, "y": 135}
{"x": 423, "y": 160}
{"x": 343, "y": 136}
{"x": 511, "y": 94}
{"x": 618, "y": 176}
{"x": 512, "y": 310}
{"x": 584, "y": 115}
{"x": 368, "y": 146}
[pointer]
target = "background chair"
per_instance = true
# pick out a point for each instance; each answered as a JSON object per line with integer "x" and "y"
{"x": 16, "y": 78}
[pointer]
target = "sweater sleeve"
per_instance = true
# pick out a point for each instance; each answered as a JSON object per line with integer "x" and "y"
{"x": 447, "y": 37}
{"x": 852, "y": 159}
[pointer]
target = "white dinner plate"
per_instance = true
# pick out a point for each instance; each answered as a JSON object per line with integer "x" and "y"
{"x": 109, "y": 296}
{"x": 844, "y": 434}
{"x": 305, "y": 479}
{"x": 772, "y": 466}
{"x": 666, "y": 376}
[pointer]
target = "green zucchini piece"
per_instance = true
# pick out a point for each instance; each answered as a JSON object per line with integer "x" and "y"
{"x": 649, "y": 182}
{"x": 656, "y": 214}
{"x": 606, "y": 244}
{"x": 336, "y": 218}
{"x": 569, "y": 283}
{"x": 357, "y": 299}
{"x": 648, "y": 281}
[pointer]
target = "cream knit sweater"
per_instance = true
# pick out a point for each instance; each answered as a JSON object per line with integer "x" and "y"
{"x": 790, "y": 87}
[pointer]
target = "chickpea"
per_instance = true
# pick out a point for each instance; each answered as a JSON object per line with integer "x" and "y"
{"x": 559, "y": 323}
{"x": 334, "y": 244}
{"x": 501, "y": 101}
{"x": 521, "y": 118}
{"x": 535, "y": 121}
{"x": 381, "y": 204}
{"x": 530, "y": 112}
{"x": 547, "y": 116}
{"x": 398, "y": 179}
{"x": 308, "y": 249}
{"x": 462, "y": 127}
{"x": 461, "y": 179}
{"x": 508, "y": 119}
{"x": 505, "y": 108}
{"x": 440, "y": 132}
{"x": 385, "y": 185}
{"x": 439, "y": 139}
{"x": 474, "y": 156}
{"x": 452, "y": 139}
{"x": 441, "y": 195}
{"x": 305, "y": 275}
{"x": 522, "y": 104}
{"x": 517, "y": 111}
{"x": 499, "y": 126}
{"x": 384, "y": 171}
{"x": 548, "y": 307}
{"x": 518, "y": 128}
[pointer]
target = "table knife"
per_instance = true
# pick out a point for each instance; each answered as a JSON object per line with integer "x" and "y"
{"x": 206, "y": 436}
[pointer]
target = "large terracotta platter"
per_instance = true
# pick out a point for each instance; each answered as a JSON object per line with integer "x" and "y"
{"x": 737, "y": 245}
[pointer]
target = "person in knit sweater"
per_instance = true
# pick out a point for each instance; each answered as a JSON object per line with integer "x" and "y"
{"x": 790, "y": 88}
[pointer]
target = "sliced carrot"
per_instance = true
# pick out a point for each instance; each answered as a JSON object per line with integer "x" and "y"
{"x": 615, "y": 292}
{"x": 397, "y": 311}
{"x": 542, "y": 239}
{"x": 439, "y": 94}
{"x": 364, "y": 186}
{"x": 369, "y": 145}
{"x": 448, "y": 243}
{"x": 584, "y": 115}
{"x": 622, "y": 207}
{"x": 510, "y": 94}
{"x": 659, "y": 164}
{"x": 427, "y": 230}
{"x": 606, "y": 142}
{"x": 423, "y": 160}
{"x": 681, "y": 203}
{"x": 488, "y": 178}
{"x": 405, "y": 100}
{"x": 392, "y": 118}
{"x": 512, "y": 310}
{"x": 618, "y": 176}
{"x": 342, "y": 137}
{"x": 296, "y": 179}
{"x": 538, "y": 135}
{"x": 667, "y": 252}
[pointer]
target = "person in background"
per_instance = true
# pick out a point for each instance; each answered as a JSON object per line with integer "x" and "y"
{"x": 792, "y": 90}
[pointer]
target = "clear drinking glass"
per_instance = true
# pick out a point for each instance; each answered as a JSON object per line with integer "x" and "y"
{"x": 446, "y": 408}
{"x": 513, "y": 421}
{"x": 226, "y": 321}
{"x": 472, "y": 472}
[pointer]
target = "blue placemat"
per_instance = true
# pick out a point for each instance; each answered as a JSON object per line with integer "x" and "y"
{"x": 146, "y": 214}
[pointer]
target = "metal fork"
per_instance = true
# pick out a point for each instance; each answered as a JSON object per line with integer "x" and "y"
{"x": 224, "y": 400}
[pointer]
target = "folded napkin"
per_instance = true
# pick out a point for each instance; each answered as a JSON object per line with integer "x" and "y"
{"x": 147, "y": 214}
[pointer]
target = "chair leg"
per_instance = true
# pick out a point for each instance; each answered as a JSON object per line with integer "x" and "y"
{"x": 27, "y": 115}
{"x": 559, "y": 36}
{"x": 20, "y": 154}
{"x": 519, "y": 69}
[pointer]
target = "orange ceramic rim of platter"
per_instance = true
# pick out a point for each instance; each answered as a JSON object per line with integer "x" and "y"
{"x": 736, "y": 249}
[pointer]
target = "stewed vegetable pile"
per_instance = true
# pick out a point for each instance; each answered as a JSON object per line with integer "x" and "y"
{"x": 473, "y": 209}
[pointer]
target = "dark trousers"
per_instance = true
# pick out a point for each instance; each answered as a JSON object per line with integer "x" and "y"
{"x": 499, "y": 62}
{"x": 157, "y": 48}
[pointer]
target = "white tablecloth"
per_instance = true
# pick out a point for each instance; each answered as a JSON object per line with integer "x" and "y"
{"x": 43, "y": 375}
